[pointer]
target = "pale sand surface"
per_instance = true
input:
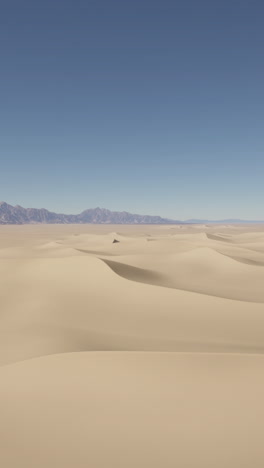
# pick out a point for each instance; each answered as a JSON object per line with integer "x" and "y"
{"x": 142, "y": 353}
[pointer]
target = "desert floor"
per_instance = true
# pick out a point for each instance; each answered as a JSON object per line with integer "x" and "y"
{"x": 143, "y": 353}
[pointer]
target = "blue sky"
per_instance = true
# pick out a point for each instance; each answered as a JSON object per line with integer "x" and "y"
{"x": 146, "y": 106}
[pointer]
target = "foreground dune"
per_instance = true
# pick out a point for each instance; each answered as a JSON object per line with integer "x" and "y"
{"x": 133, "y": 410}
{"x": 143, "y": 352}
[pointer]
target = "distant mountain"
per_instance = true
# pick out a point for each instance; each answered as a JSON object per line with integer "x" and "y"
{"x": 18, "y": 215}
{"x": 103, "y": 216}
{"x": 222, "y": 221}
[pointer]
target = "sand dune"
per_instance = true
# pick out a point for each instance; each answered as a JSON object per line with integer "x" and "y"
{"x": 202, "y": 270}
{"x": 130, "y": 353}
{"x": 133, "y": 410}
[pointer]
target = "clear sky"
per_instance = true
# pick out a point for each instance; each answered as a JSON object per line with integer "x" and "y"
{"x": 148, "y": 106}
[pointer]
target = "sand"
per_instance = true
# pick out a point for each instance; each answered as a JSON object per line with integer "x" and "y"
{"x": 143, "y": 353}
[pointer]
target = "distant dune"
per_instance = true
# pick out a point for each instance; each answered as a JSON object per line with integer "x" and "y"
{"x": 146, "y": 352}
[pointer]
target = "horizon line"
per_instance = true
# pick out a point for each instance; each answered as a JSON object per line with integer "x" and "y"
{"x": 188, "y": 220}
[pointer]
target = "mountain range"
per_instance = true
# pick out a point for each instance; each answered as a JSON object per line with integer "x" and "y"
{"x": 18, "y": 215}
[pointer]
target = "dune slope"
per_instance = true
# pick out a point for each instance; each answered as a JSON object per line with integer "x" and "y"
{"x": 133, "y": 409}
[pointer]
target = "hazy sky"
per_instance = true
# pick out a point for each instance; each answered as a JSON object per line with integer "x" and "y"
{"x": 149, "y": 106}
